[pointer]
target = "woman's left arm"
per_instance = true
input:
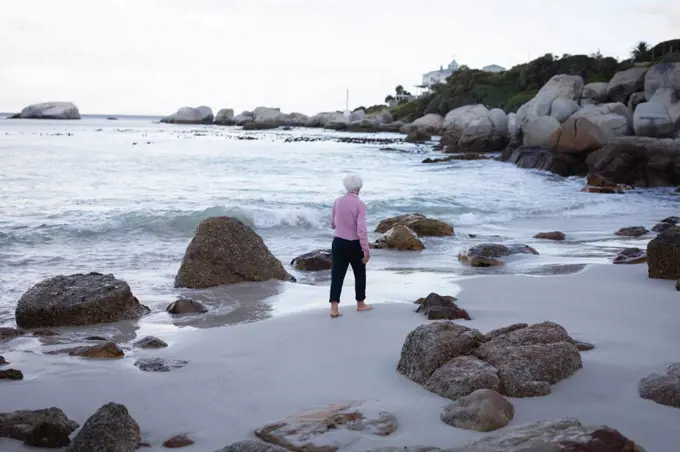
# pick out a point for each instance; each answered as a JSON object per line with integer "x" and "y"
{"x": 362, "y": 231}
{"x": 333, "y": 215}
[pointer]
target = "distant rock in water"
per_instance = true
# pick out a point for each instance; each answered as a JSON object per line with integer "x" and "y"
{"x": 226, "y": 251}
{"x": 80, "y": 299}
{"x": 313, "y": 261}
{"x": 225, "y": 117}
{"x": 554, "y": 235}
{"x": 189, "y": 115}
{"x": 184, "y": 306}
{"x": 630, "y": 256}
{"x": 401, "y": 238}
{"x": 49, "y": 110}
{"x": 420, "y": 224}
{"x": 491, "y": 254}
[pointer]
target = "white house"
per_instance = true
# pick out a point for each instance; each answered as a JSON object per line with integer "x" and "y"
{"x": 440, "y": 76}
{"x": 493, "y": 68}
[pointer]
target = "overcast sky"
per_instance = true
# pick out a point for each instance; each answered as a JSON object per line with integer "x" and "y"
{"x": 154, "y": 56}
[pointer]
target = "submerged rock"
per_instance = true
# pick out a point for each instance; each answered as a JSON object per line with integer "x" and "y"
{"x": 7, "y": 334}
{"x": 632, "y": 231}
{"x": 420, "y": 224}
{"x": 159, "y": 364}
{"x": 111, "y": 428}
{"x": 11, "y": 374}
{"x": 401, "y": 238}
{"x": 555, "y": 235}
{"x": 566, "y": 435}
{"x": 630, "y": 256}
{"x": 46, "y": 428}
{"x": 185, "y": 306}
{"x": 484, "y": 410}
{"x": 662, "y": 388}
{"x": 490, "y": 254}
{"x": 436, "y": 307}
{"x": 80, "y": 299}
{"x": 177, "y": 442}
{"x": 663, "y": 254}
{"x": 313, "y": 261}
{"x": 665, "y": 224}
{"x": 105, "y": 350}
{"x": 316, "y": 430}
{"x": 546, "y": 346}
{"x": 151, "y": 342}
{"x": 226, "y": 251}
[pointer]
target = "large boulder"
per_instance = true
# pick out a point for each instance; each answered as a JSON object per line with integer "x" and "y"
{"x": 538, "y": 131}
{"x": 557, "y": 93}
{"x": 638, "y": 161}
{"x": 429, "y": 347}
{"x": 594, "y": 93}
{"x": 529, "y": 360}
{"x": 566, "y": 435}
{"x": 226, "y": 251}
{"x": 625, "y": 83}
{"x": 660, "y": 116}
{"x": 50, "y": 110}
{"x": 474, "y": 127}
{"x": 225, "y": 117}
{"x": 420, "y": 224}
{"x": 47, "y": 428}
{"x": 484, "y": 410}
{"x": 317, "y": 430}
{"x": 614, "y": 118}
{"x": 663, "y": 254}
{"x": 80, "y": 299}
{"x": 111, "y": 428}
{"x": 662, "y": 388}
{"x": 563, "y": 107}
{"x": 542, "y": 159}
{"x": 491, "y": 254}
{"x": 400, "y": 238}
{"x": 244, "y": 118}
{"x": 431, "y": 124}
{"x": 575, "y": 136}
{"x": 190, "y": 115}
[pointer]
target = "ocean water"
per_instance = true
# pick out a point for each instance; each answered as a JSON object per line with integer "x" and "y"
{"x": 125, "y": 197}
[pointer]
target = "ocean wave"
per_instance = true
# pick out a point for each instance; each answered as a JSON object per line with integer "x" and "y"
{"x": 162, "y": 224}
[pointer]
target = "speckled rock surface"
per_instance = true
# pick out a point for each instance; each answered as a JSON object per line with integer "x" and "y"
{"x": 529, "y": 360}
{"x": 429, "y": 347}
{"x": 111, "y": 428}
{"x": 7, "y": 334}
{"x": 630, "y": 256}
{"x": 554, "y": 235}
{"x": 662, "y": 388}
{"x": 420, "y": 224}
{"x": 663, "y": 254}
{"x": 159, "y": 364}
{"x": 632, "y": 231}
{"x": 462, "y": 376}
{"x": 252, "y": 446}
{"x": 47, "y": 428}
{"x": 226, "y": 251}
{"x": 484, "y": 410}
{"x": 80, "y": 299}
{"x": 566, "y": 435}
{"x": 104, "y": 350}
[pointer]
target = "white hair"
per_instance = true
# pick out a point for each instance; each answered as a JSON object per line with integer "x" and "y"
{"x": 352, "y": 183}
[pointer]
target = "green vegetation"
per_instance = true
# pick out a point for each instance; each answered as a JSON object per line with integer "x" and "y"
{"x": 510, "y": 89}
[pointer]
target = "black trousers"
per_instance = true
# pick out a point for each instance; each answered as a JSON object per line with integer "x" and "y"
{"x": 346, "y": 253}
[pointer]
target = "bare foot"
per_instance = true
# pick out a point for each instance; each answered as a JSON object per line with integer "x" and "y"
{"x": 335, "y": 311}
{"x": 336, "y": 314}
{"x": 361, "y": 306}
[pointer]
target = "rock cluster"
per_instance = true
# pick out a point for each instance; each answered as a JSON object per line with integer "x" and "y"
{"x": 491, "y": 254}
{"x": 518, "y": 361}
{"x": 437, "y": 307}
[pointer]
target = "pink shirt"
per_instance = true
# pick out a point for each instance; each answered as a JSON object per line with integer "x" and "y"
{"x": 349, "y": 219}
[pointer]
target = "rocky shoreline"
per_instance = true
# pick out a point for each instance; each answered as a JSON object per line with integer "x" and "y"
{"x": 473, "y": 369}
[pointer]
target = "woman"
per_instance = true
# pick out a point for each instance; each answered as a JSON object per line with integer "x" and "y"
{"x": 350, "y": 244}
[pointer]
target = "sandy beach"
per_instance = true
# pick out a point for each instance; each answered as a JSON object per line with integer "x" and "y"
{"x": 242, "y": 377}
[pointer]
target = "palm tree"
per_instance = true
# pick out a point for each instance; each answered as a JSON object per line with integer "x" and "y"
{"x": 389, "y": 99}
{"x": 640, "y": 51}
{"x": 399, "y": 89}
